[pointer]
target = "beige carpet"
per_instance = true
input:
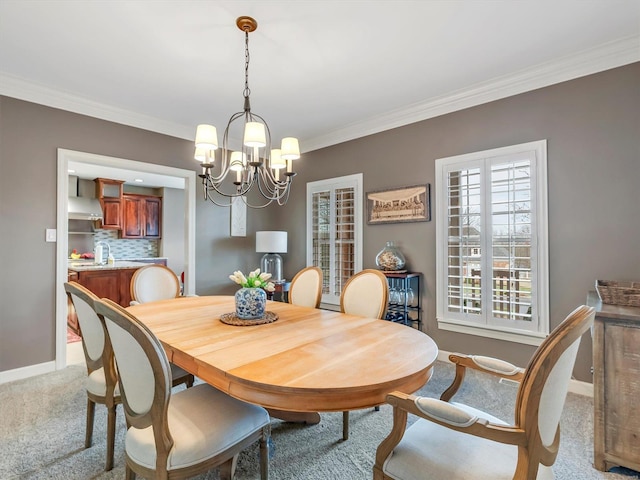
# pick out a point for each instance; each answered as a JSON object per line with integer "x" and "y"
{"x": 42, "y": 425}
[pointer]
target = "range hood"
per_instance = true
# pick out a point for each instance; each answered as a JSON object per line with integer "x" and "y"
{"x": 82, "y": 208}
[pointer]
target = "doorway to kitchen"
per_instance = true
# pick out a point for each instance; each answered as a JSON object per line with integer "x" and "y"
{"x": 67, "y": 158}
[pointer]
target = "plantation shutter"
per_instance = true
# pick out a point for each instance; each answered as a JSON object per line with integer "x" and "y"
{"x": 491, "y": 266}
{"x": 334, "y": 224}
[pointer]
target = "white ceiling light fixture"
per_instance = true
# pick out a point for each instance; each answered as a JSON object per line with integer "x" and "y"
{"x": 254, "y": 162}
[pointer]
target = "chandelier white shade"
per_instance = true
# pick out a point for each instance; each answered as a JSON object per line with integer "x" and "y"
{"x": 246, "y": 151}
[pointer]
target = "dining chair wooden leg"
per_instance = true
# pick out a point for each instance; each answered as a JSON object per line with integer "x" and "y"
{"x": 129, "y": 474}
{"x": 345, "y": 425}
{"x": 111, "y": 436}
{"x": 264, "y": 453}
{"x": 228, "y": 469}
{"x": 91, "y": 408}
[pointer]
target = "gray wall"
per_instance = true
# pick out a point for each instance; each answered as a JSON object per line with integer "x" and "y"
{"x": 30, "y": 135}
{"x": 173, "y": 228}
{"x": 592, "y": 126}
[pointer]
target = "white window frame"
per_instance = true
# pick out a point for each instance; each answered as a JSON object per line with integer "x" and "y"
{"x": 332, "y": 184}
{"x": 540, "y": 247}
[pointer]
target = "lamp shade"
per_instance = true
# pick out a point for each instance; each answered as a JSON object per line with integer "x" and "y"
{"x": 237, "y": 161}
{"x": 200, "y": 154}
{"x": 277, "y": 161}
{"x": 271, "y": 242}
{"x": 254, "y": 135}
{"x": 207, "y": 137}
{"x": 290, "y": 148}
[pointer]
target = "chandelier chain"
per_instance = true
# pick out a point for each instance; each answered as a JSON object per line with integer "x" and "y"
{"x": 247, "y": 90}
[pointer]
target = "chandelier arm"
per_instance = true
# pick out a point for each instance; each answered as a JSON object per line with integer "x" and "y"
{"x": 272, "y": 187}
{"x": 212, "y": 200}
{"x": 242, "y": 191}
{"x": 276, "y": 194}
{"x": 267, "y": 174}
{"x": 268, "y": 202}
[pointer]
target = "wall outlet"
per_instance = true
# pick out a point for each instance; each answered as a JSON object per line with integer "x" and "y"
{"x": 50, "y": 235}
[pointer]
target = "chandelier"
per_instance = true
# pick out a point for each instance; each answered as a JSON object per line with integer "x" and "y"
{"x": 253, "y": 162}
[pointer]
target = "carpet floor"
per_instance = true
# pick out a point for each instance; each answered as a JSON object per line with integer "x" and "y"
{"x": 42, "y": 426}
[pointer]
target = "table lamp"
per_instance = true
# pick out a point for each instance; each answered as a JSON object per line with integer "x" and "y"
{"x": 271, "y": 244}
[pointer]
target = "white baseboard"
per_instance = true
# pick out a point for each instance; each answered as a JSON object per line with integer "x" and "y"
{"x": 26, "y": 372}
{"x": 575, "y": 386}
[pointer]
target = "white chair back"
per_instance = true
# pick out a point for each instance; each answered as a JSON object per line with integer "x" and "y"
{"x": 306, "y": 288}
{"x": 556, "y": 355}
{"x": 154, "y": 282}
{"x": 90, "y": 326}
{"x": 365, "y": 294}
{"x": 143, "y": 367}
{"x": 554, "y": 394}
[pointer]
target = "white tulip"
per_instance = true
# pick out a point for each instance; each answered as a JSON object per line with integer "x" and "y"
{"x": 264, "y": 276}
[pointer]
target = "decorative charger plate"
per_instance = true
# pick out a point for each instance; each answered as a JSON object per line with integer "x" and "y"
{"x": 233, "y": 319}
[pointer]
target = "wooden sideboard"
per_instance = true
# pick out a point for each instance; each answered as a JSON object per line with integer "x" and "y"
{"x": 616, "y": 383}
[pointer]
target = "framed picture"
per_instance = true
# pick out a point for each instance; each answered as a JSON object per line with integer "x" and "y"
{"x": 238, "y": 217}
{"x": 405, "y": 204}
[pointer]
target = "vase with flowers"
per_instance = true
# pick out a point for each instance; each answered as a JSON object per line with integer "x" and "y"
{"x": 251, "y": 299}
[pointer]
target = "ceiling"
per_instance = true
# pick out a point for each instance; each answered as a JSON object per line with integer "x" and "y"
{"x": 325, "y": 71}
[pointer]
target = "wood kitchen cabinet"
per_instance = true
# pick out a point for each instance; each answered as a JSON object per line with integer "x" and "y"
{"x": 109, "y": 192}
{"x": 114, "y": 284}
{"x": 616, "y": 385}
{"x": 141, "y": 216}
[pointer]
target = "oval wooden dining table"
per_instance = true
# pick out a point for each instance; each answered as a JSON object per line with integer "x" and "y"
{"x": 308, "y": 360}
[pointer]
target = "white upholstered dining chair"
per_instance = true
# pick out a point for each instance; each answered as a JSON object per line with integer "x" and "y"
{"x": 176, "y": 435}
{"x": 365, "y": 294}
{"x": 157, "y": 282}
{"x": 306, "y": 288}
{"x": 154, "y": 282}
{"x": 102, "y": 382}
{"x": 453, "y": 441}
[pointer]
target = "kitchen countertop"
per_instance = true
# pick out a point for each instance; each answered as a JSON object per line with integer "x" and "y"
{"x": 135, "y": 259}
{"x": 86, "y": 265}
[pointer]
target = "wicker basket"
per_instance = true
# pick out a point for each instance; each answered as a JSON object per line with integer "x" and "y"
{"x": 619, "y": 293}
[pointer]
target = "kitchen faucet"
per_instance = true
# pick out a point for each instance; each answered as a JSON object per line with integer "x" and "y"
{"x": 98, "y": 251}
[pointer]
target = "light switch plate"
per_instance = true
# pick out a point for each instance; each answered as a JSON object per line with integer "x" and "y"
{"x": 50, "y": 235}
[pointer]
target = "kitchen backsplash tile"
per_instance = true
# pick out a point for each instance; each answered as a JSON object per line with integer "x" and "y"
{"x": 127, "y": 248}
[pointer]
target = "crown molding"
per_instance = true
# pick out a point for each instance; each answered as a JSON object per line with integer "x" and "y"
{"x": 22, "y": 89}
{"x": 604, "y": 57}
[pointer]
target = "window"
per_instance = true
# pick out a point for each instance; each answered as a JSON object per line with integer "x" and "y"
{"x": 334, "y": 231}
{"x": 492, "y": 249}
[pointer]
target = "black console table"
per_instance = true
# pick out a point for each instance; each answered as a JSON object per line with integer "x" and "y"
{"x": 404, "y": 304}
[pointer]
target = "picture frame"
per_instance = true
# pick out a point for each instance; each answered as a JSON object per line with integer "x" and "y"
{"x": 238, "y": 217}
{"x": 399, "y": 205}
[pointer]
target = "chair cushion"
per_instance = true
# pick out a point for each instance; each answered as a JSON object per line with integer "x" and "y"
{"x": 97, "y": 385}
{"x": 431, "y": 451}
{"x": 203, "y": 422}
